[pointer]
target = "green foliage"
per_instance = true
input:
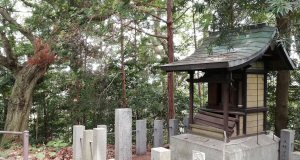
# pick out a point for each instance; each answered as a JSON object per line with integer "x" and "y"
{"x": 40, "y": 156}
{"x": 283, "y": 7}
{"x": 57, "y": 143}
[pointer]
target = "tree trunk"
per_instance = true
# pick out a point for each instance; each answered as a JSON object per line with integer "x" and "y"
{"x": 20, "y": 100}
{"x": 124, "y": 99}
{"x": 283, "y": 80}
{"x": 171, "y": 111}
{"x": 281, "y": 110}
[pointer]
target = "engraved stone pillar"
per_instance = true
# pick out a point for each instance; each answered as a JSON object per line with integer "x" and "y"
{"x": 123, "y": 134}
{"x": 87, "y": 145}
{"x": 286, "y": 144}
{"x": 99, "y": 143}
{"x": 141, "y": 137}
{"x": 158, "y": 133}
{"x": 77, "y": 141}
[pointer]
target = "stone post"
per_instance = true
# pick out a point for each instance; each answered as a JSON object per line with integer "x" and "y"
{"x": 173, "y": 127}
{"x": 102, "y": 126}
{"x": 123, "y": 134}
{"x": 295, "y": 156}
{"x": 160, "y": 153}
{"x": 141, "y": 137}
{"x": 286, "y": 144}
{"x": 99, "y": 143}
{"x": 186, "y": 123}
{"x": 77, "y": 141}
{"x": 87, "y": 145}
{"x": 158, "y": 133}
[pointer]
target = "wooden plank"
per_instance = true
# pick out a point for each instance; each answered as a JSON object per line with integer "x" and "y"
{"x": 254, "y": 123}
{"x": 257, "y": 110}
{"x": 210, "y": 134}
{"x": 218, "y": 115}
{"x": 253, "y": 80}
{"x": 253, "y": 117}
{"x": 255, "y": 87}
{"x": 191, "y": 97}
{"x": 241, "y": 121}
{"x": 255, "y": 75}
{"x": 251, "y": 130}
{"x": 225, "y": 102}
{"x": 257, "y": 65}
{"x": 203, "y": 122}
{"x": 213, "y": 96}
{"x": 253, "y": 92}
{"x": 255, "y": 104}
{"x": 208, "y": 128}
{"x": 251, "y": 98}
{"x": 244, "y": 102}
{"x": 215, "y": 120}
{"x": 221, "y": 111}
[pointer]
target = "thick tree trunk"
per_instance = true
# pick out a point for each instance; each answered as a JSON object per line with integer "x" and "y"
{"x": 281, "y": 110}
{"x": 20, "y": 101}
{"x": 283, "y": 80}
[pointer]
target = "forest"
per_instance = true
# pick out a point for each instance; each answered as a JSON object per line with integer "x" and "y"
{"x": 72, "y": 62}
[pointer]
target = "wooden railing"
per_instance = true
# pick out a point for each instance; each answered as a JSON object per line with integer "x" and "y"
{"x": 25, "y": 135}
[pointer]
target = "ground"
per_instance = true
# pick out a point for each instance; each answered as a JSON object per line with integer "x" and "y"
{"x": 43, "y": 152}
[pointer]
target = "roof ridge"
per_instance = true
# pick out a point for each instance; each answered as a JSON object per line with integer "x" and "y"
{"x": 241, "y": 28}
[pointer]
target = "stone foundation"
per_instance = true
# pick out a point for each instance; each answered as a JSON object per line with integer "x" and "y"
{"x": 185, "y": 146}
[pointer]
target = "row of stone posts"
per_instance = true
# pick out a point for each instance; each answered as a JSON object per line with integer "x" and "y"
{"x": 92, "y": 144}
{"x": 89, "y": 144}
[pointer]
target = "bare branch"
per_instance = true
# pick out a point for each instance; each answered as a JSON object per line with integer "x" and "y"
{"x": 140, "y": 3}
{"x": 100, "y": 18}
{"x": 24, "y": 31}
{"x": 149, "y": 34}
{"x": 182, "y": 14}
{"x": 29, "y": 4}
{"x": 142, "y": 9}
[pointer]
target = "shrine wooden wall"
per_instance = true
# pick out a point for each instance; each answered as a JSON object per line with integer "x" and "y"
{"x": 255, "y": 98}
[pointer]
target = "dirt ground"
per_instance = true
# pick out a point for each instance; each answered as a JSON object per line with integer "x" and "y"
{"x": 144, "y": 157}
{"x": 49, "y": 153}
{"x": 111, "y": 154}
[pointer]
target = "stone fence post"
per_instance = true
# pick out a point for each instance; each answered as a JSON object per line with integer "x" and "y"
{"x": 77, "y": 141}
{"x": 141, "y": 137}
{"x": 123, "y": 134}
{"x": 158, "y": 133}
{"x": 87, "y": 145}
{"x": 286, "y": 144}
{"x": 173, "y": 127}
{"x": 99, "y": 143}
{"x": 160, "y": 153}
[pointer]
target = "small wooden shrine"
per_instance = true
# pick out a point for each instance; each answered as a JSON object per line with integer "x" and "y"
{"x": 235, "y": 71}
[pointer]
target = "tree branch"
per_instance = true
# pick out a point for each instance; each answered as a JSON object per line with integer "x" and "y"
{"x": 7, "y": 47}
{"x": 147, "y": 12}
{"x": 4, "y": 62}
{"x": 10, "y": 61}
{"x": 24, "y": 31}
{"x": 29, "y": 4}
{"x": 149, "y": 34}
{"x": 13, "y": 67}
{"x": 100, "y": 18}
{"x": 182, "y": 14}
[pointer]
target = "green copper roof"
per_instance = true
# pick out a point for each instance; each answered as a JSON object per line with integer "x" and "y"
{"x": 234, "y": 50}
